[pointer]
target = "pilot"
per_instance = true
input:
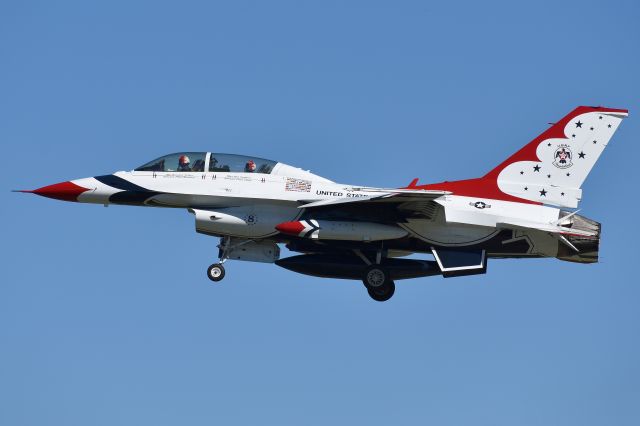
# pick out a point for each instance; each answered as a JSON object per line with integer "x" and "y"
{"x": 183, "y": 164}
{"x": 250, "y": 167}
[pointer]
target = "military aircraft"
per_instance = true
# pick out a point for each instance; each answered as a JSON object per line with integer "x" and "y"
{"x": 517, "y": 210}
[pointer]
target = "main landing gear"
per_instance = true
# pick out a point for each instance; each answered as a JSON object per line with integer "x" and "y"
{"x": 378, "y": 283}
{"x": 377, "y": 280}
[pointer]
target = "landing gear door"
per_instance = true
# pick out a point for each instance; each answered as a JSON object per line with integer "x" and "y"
{"x": 455, "y": 263}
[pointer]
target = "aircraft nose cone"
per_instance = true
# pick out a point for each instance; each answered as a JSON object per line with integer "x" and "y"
{"x": 291, "y": 228}
{"x": 66, "y": 191}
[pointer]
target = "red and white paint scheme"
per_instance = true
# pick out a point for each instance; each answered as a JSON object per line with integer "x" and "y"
{"x": 519, "y": 209}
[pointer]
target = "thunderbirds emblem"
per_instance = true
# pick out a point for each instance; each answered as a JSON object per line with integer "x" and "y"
{"x": 562, "y": 157}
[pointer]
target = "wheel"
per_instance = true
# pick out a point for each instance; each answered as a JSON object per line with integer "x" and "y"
{"x": 215, "y": 272}
{"x": 382, "y": 293}
{"x": 375, "y": 276}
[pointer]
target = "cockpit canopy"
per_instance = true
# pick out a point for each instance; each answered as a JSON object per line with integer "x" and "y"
{"x": 239, "y": 163}
{"x": 213, "y": 162}
{"x": 178, "y": 162}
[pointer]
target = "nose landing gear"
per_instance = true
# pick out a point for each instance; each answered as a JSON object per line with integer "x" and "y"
{"x": 215, "y": 272}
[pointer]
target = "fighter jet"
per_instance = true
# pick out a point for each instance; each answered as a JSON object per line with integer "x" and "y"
{"x": 522, "y": 208}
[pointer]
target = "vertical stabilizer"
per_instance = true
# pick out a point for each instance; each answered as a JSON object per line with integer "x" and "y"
{"x": 552, "y": 167}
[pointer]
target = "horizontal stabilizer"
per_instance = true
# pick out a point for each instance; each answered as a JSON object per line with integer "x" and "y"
{"x": 551, "y": 228}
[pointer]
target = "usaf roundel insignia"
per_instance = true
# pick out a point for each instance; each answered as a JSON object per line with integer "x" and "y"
{"x": 480, "y": 205}
{"x": 563, "y": 156}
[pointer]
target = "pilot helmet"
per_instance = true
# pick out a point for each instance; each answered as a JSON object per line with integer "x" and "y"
{"x": 251, "y": 166}
{"x": 183, "y": 160}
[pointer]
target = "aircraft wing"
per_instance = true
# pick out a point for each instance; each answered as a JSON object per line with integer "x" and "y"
{"x": 383, "y": 205}
{"x": 380, "y": 195}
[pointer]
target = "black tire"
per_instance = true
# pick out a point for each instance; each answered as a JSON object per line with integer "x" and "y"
{"x": 382, "y": 293}
{"x": 375, "y": 276}
{"x": 215, "y": 272}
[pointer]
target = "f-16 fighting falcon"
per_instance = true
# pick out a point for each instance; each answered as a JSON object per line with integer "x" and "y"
{"x": 518, "y": 209}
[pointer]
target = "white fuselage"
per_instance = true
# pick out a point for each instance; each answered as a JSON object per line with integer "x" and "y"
{"x": 250, "y": 205}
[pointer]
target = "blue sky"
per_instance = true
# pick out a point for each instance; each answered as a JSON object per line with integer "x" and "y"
{"x": 106, "y": 315}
